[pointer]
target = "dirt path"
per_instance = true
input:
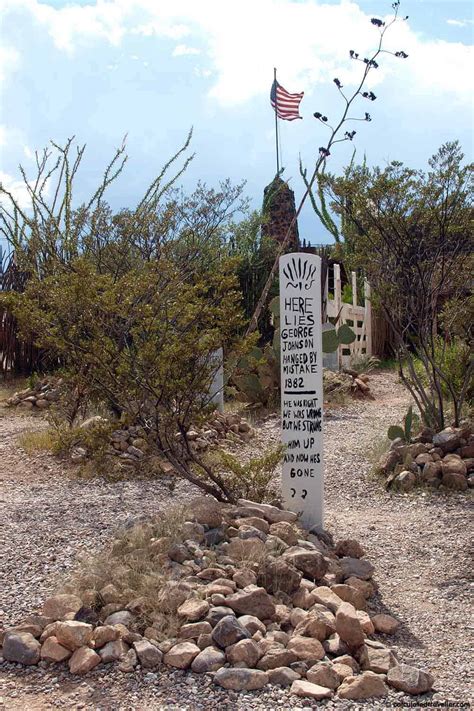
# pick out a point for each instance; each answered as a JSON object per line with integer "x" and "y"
{"x": 419, "y": 544}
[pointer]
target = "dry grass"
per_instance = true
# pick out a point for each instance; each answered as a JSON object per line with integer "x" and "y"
{"x": 37, "y": 441}
{"x": 133, "y": 564}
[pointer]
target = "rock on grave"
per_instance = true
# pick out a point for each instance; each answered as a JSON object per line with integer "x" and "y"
{"x": 311, "y": 563}
{"x": 181, "y": 655}
{"x": 83, "y": 660}
{"x": 73, "y": 634}
{"x": 386, "y": 624}
{"x": 365, "y": 686}
{"x": 21, "y": 647}
{"x": 148, "y": 655}
{"x": 409, "y": 679}
{"x": 282, "y": 676}
{"x": 348, "y": 625}
{"x": 240, "y": 679}
{"x": 229, "y": 631}
{"x": 252, "y": 601}
{"x": 210, "y": 659}
{"x": 52, "y": 651}
{"x": 58, "y": 606}
{"x": 309, "y": 690}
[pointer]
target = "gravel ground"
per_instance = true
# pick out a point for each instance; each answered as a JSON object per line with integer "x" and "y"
{"x": 419, "y": 544}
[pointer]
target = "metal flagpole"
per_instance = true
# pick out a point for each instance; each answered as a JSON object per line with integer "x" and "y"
{"x": 276, "y": 121}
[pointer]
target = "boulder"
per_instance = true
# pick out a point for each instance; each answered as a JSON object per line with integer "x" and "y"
{"x": 335, "y": 645}
{"x": 365, "y": 686}
{"x": 410, "y": 679}
{"x": 52, "y": 651}
{"x": 271, "y": 513}
{"x": 454, "y": 480}
{"x": 73, "y": 634}
{"x": 309, "y": 690}
{"x": 217, "y": 613}
{"x": 210, "y": 659}
{"x": 255, "y": 522}
{"x": 246, "y": 651}
{"x": 21, "y": 647}
{"x": 58, "y": 606}
{"x": 148, "y": 655}
{"x": 431, "y": 473}
{"x": 406, "y": 480}
{"x": 206, "y": 511}
{"x": 306, "y": 648}
{"x": 241, "y": 679}
{"x": 323, "y": 674}
{"x": 229, "y": 631}
{"x": 312, "y": 626}
{"x": 365, "y": 587}
{"x": 244, "y": 577}
{"x": 348, "y": 625}
{"x": 83, "y": 660}
{"x": 128, "y": 662}
{"x": 252, "y": 600}
{"x": 181, "y": 655}
{"x": 121, "y": 617}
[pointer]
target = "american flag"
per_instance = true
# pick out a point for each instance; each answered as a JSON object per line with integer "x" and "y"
{"x": 285, "y": 104}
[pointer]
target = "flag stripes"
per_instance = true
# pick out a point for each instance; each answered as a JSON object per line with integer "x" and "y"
{"x": 286, "y": 105}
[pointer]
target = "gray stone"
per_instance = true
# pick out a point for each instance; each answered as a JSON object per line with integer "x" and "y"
{"x": 21, "y": 647}
{"x": 410, "y": 679}
{"x": 229, "y": 631}
{"x": 148, "y": 655}
{"x": 210, "y": 659}
{"x": 122, "y": 617}
{"x": 282, "y": 676}
{"x": 252, "y": 600}
{"x": 240, "y": 679}
{"x": 360, "y": 568}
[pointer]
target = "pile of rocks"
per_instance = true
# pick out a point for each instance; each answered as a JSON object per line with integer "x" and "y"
{"x": 129, "y": 444}
{"x": 40, "y": 396}
{"x": 256, "y": 599}
{"x": 443, "y": 459}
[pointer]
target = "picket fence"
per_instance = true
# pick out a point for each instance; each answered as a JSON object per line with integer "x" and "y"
{"x": 359, "y": 318}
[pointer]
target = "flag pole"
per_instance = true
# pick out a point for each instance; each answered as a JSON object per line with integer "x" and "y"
{"x": 276, "y": 121}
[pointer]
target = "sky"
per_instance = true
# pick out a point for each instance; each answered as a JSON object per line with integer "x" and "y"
{"x": 152, "y": 69}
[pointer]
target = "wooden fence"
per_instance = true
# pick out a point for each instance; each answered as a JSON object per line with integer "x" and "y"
{"x": 358, "y": 317}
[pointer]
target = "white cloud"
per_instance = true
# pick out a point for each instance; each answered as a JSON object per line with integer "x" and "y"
{"x": 182, "y": 50}
{"x": 17, "y": 188}
{"x": 9, "y": 62}
{"x": 460, "y": 23}
{"x": 307, "y": 40}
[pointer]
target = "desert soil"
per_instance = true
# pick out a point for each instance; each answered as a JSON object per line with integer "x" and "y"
{"x": 418, "y": 542}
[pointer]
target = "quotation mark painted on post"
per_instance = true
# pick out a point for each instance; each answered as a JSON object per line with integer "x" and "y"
{"x": 304, "y": 493}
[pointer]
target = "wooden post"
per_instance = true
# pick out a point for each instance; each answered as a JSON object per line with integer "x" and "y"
{"x": 367, "y": 318}
{"x": 301, "y": 357}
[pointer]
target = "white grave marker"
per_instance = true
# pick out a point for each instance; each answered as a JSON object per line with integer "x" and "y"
{"x": 301, "y": 357}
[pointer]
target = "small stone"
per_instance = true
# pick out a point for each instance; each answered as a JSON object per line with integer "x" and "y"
{"x": 275, "y": 575}
{"x": 306, "y": 648}
{"x": 217, "y": 613}
{"x": 323, "y": 674}
{"x": 21, "y": 647}
{"x": 83, "y": 660}
{"x": 229, "y": 631}
{"x": 349, "y": 594}
{"x": 246, "y": 651}
{"x": 240, "y": 679}
{"x": 52, "y": 651}
{"x": 365, "y": 587}
{"x": 410, "y": 679}
{"x": 366, "y": 622}
{"x": 210, "y": 659}
{"x": 312, "y": 626}
{"x": 406, "y": 480}
{"x": 148, "y": 655}
{"x": 246, "y": 549}
{"x": 204, "y": 640}
{"x": 193, "y": 609}
{"x": 365, "y": 686}
{"x": 285, "y": 531}
{"x": 386, "y": 624}
{"x": 454, "y": 480}
{"x": 72, "y": 634}
{"x": 181, "y": 655}
{"x": 342, "y": 671}
{"x": 254, "y": 521}
{"x": 335, "y": 645}
{"x": 58, "y": 606}
{"x": 309, "y": 690}
{"x": 206, "y": 511}
{"x": 282, "y": 676}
